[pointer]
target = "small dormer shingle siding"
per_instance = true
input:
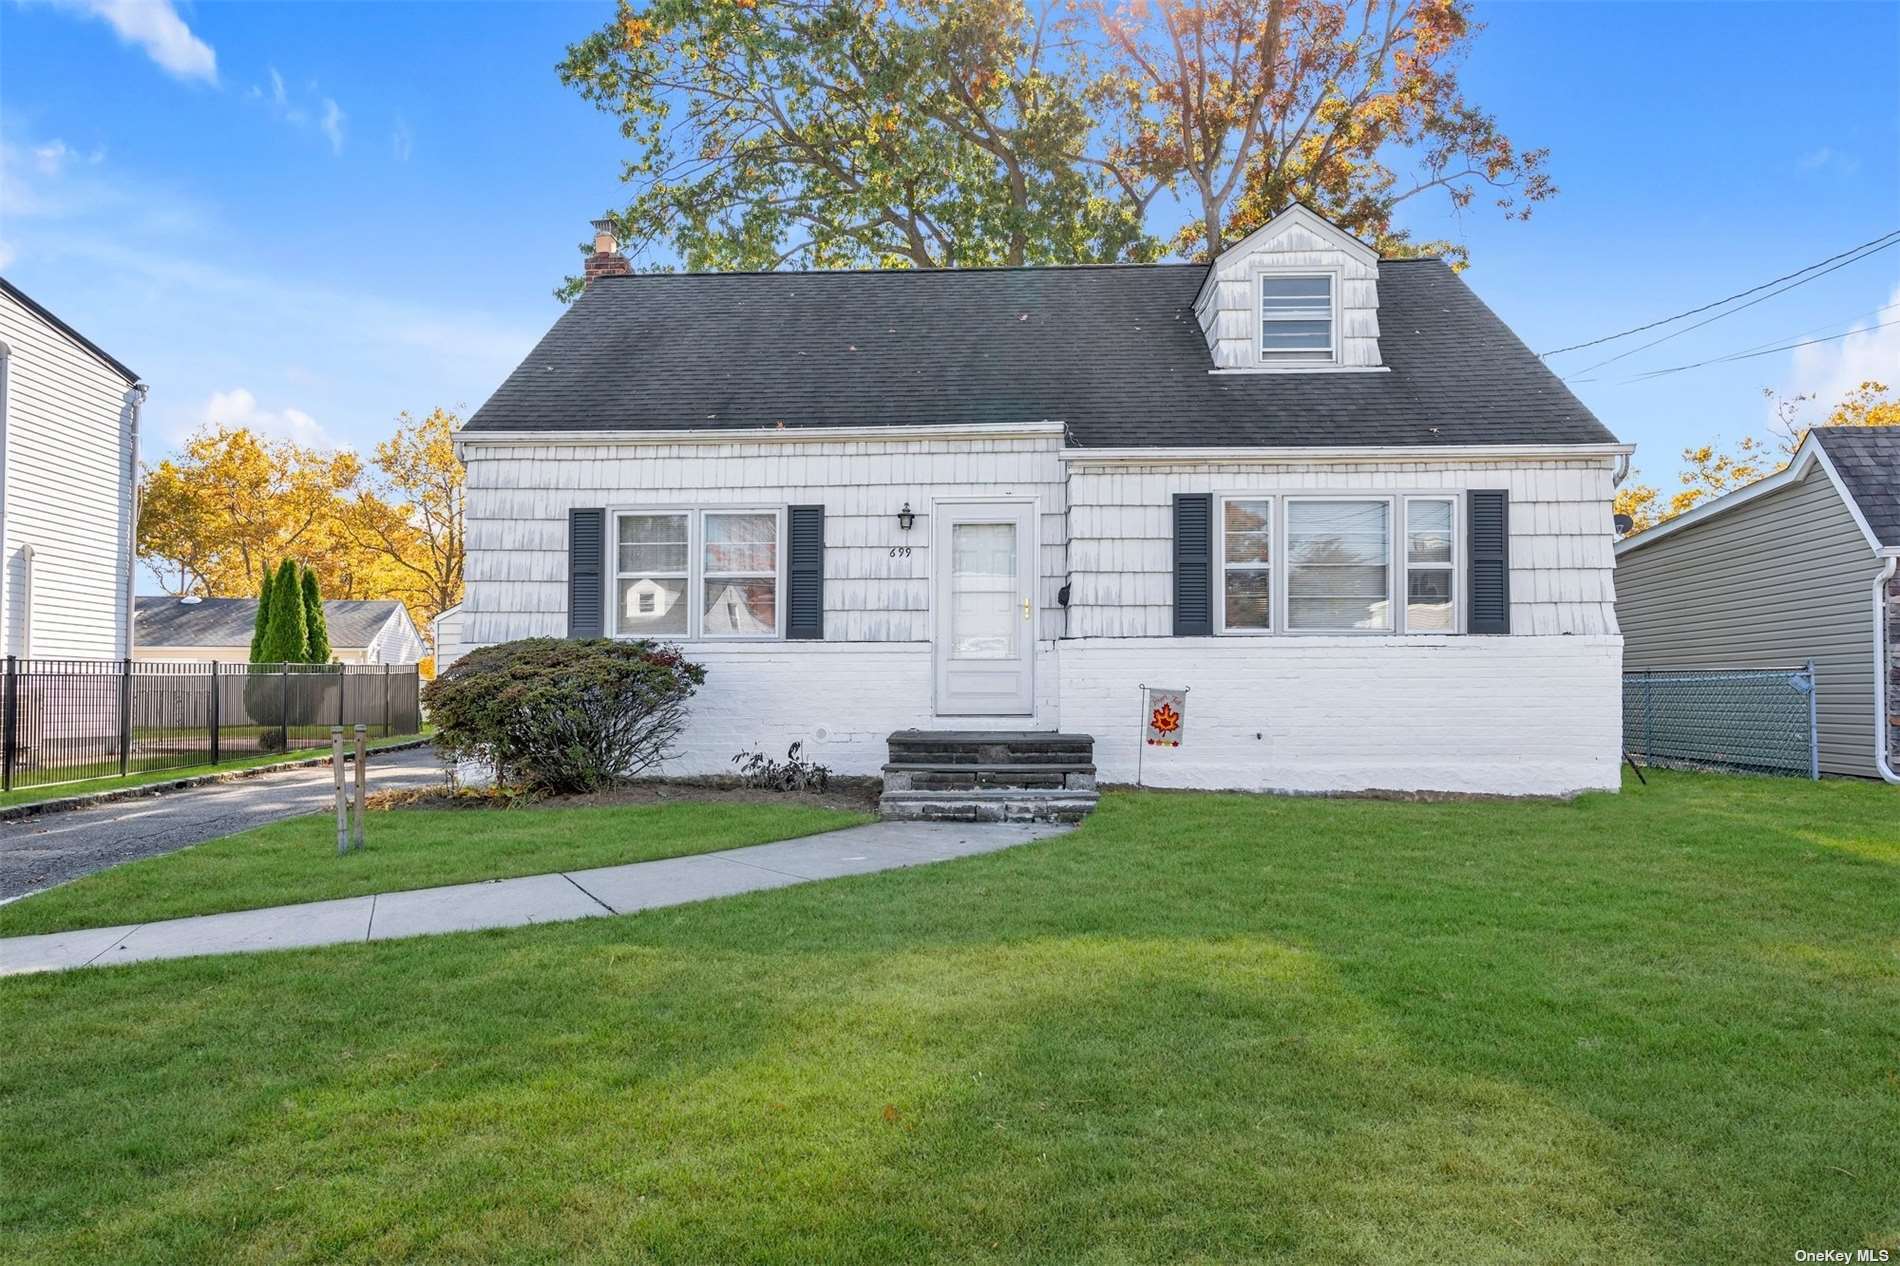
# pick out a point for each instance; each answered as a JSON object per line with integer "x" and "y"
{"x": 1296, "y": 241}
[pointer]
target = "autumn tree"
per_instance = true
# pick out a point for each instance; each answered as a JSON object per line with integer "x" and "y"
{"x": 916, "y": 133}
{"x": 929, "y": 133}
{"x": 410, "y": 515}
{"x": 1352, "y": 108}
{"x": 212, "y": 518}
{"x": 1709, "y": 470}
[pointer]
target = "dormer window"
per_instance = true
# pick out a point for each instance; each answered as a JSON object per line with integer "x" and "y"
{"x": 1296, "y": 317}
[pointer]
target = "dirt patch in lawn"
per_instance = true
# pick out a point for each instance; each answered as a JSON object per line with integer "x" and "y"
{"x": 850, "y": 795}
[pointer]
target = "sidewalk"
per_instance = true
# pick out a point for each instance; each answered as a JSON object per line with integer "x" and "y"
{"x": 502, "y": 903}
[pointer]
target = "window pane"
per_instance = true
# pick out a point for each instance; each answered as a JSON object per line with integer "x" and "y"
{"x": 741, "y": 608}
{"x": 650, "y": 606}
{"x": 652, "y": 542}
{"x": 1249, "y": 599}
{"x": 1428, "y": 602}
{"x": 983, "y": 616}
{"x": 1428, "y": 531}
{"x": 742, "y": 543}
{"x": 1339, "y": 565}
{"x": 1277, "y": 336}
{"x": 1295, "y": 296}
{"x": 1247, "y": 531}
{"x": 1322, "y": 614}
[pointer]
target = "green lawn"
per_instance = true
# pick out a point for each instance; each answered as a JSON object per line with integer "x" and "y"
{"x": 145, "y": 778}
{"x": 1657, "y": 1027}
{"x": 296, "y": 860}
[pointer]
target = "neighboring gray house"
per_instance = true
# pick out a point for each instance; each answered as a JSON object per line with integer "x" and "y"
{"x": 361, "y": 632}
{"x": 1795, "y": 567}
{"x": 69, "y": 416}
{"x": 1332, "y": 494}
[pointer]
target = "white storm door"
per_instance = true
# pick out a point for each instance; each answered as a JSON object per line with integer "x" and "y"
{"x": 984, "y": 557}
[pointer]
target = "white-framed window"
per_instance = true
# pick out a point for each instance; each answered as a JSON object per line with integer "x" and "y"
{"x": 697, "y": 573}
{"x": 1339, "y": 565}
{"x": 1298, "y": 315}
{"x": 739, "y": 573}
{"x": 1431, "y": 565}
{"x": 1246, "y": 545}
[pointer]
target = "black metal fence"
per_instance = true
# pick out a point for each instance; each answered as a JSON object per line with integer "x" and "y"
{"x": 65, "y": 720}
{"x": 1742, "y": 720}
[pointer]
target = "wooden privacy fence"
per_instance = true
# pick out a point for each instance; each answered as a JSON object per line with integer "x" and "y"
{"x": 65, "y": 720}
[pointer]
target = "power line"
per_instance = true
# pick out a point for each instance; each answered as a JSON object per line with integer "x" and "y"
{"x": 1742, "y": 294}
{"x": 1767, "y": 351}
{"x": 1643, "y": 347}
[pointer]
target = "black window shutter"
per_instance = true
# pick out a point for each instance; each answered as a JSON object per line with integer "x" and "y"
{"x": 805, "y": 573}
{"x": 586, "y": 543}
{"x": 1488, "y": 514}
{"x": 1193, "y": 564}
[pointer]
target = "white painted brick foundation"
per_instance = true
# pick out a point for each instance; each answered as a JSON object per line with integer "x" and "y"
{"x": 1499, "y": 715}
{"x": 1503, "y": 715}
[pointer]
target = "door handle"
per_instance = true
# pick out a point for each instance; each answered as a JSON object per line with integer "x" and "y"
{"x": 1025, "y": 608}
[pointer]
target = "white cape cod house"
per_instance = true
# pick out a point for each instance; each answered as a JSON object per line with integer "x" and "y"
{"x": 1330, "y": 495}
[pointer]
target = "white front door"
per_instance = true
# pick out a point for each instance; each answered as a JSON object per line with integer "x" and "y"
{"x": 984, "y": 555}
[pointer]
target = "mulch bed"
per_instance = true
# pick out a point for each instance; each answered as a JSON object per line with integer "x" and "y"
{"x": 854, "y": 795}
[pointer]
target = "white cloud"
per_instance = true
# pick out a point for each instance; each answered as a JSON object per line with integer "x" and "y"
{"x": 402, "y": 141}
{"x": 52, "y": 157}
{"x": 154, "y": 25}
{"x": 238, "y": 407}
{"x": 1829, "y": 371}
{"x": 1827, "y": 158}
{"x": 332, "y": 125}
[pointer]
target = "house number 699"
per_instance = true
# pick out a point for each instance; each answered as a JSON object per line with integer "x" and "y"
{"x": 900, "y": 551}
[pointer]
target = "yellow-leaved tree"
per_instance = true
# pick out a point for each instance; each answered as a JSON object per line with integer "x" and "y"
{"x": 231, "y": 504}
{"x": 1710, "y": 470}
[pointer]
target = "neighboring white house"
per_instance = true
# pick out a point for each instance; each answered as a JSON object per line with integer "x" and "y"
{"x": 448, "y": 637}
{"x": 201, "y": 629}
{"x": 1332, "y": 495}
{"x": 68, "y": 449}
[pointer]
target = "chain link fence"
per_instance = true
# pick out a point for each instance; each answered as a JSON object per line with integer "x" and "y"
{"x": 1736, "y": 720}
{"x": 67, "y": 720}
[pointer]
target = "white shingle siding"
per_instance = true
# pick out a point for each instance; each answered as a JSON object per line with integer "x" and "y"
{"x": 519, "y": 496}
{"x": 1121, "y": 533}
{"x": 68, "y": 491}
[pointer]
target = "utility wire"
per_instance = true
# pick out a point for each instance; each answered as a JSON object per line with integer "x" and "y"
{"x": 1742, "y": 294}
{"x": 1894, "y": 240}
{"x": 1813, "y": 329}
{"x": 1768, "y": 351}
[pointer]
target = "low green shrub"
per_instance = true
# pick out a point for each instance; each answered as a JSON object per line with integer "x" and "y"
{"x": 561, "y": 715}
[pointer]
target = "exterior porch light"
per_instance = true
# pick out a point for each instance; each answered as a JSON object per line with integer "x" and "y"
{"x": 906, "y": 517}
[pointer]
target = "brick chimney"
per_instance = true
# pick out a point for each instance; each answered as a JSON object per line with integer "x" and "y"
{"x": 606, "y": 261}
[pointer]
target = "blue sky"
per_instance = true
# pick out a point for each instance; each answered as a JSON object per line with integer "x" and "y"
{"x": 308, "y": 217}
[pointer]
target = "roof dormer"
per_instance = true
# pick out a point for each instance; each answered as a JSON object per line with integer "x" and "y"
{"x": 1297, "y": 295}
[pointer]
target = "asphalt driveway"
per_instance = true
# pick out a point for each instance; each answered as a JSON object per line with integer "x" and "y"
{"x": 40, "y": 851}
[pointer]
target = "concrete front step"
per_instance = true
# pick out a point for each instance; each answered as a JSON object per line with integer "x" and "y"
{"x": 1011, "y": 805}
{"x": 989, "y": 776}
{"x": 929, "y": 777}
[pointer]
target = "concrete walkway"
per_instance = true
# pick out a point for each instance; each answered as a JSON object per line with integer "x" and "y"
{"x": 503, "y": 903}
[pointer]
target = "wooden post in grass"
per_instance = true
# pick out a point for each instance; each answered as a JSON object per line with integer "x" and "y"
{"x": 362, "y": 776}
{"x": 342, "y": 804}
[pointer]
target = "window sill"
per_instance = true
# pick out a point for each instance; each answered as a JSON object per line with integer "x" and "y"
{"x": 1304, "y": 369}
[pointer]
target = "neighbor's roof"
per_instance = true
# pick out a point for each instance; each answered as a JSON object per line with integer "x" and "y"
{"x": 30, "y": 304}
{"x": 1867, "y": 458}
{"x": 352, "y": 623}
{"x": 1115, "y": 351}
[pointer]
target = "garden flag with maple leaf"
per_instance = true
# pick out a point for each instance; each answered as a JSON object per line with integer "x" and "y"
{"x": 1167, "y": 717}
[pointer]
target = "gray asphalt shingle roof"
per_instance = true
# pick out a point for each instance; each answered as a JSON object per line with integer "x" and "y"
{"x": 1114, "y": 351}
{"x": 1868, "y": 461}
{"x": 166, "y": 621}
